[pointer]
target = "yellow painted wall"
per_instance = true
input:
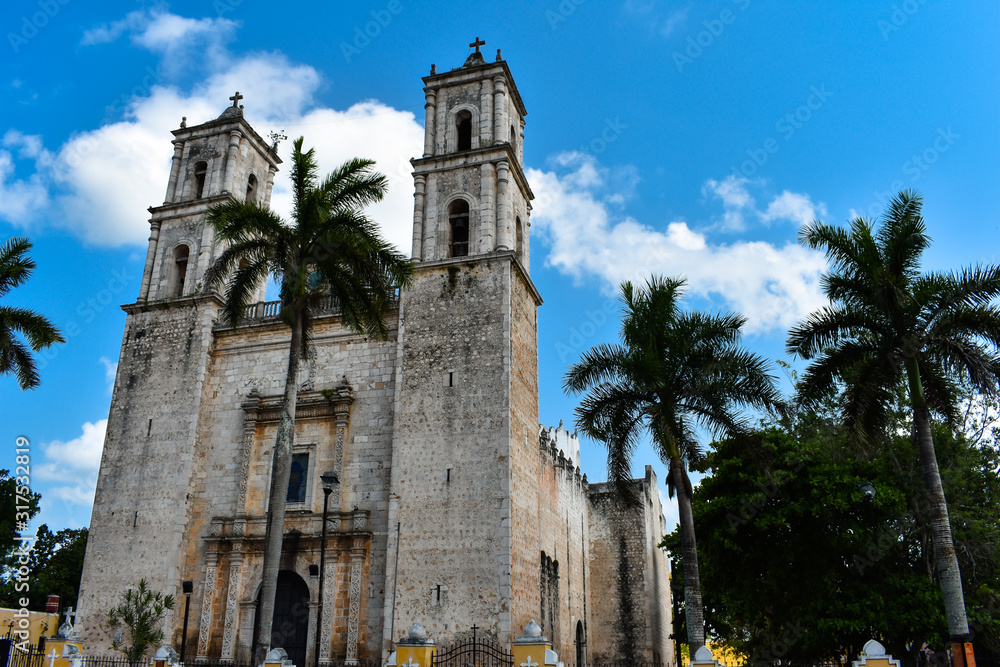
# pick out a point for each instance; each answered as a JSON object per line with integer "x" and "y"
{"x": 38, "y": 625}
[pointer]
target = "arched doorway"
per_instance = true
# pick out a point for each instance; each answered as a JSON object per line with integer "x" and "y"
{"x": 290, "y": 624}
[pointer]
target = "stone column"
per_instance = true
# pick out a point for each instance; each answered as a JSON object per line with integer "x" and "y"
{"x": 234, "y": 144}
{"x": 326, "y": 623}
{"x": 486, "y": 113}
{"x": 419, "y": 182}
{"x": 430, "y": 110}
{"x": 232, "y": 604}
{"x": 487, "y": 208}
{"x": 441, "y": 122}
{"x": 179, "y": 185}
{"x": 354, "y": 597}
{"x": 499, "y": 101}
{"x": 269, "y": 186}
{"x": 175, "y": 170}
{"x": 147, "y": 271}
{"x": 205, "y": 627}
{"x": 429, "y": 246}
{"x": 504, "y": 240}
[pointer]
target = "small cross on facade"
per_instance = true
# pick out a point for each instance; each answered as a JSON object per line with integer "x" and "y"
{"x": 70, "y": 615}
{"x": 236, "y": 99}
{"x": 52, "y": 658}
{"x": 529, "y": 663}
{"x": 410, "y": 663}
{"x": 477, "y": 44}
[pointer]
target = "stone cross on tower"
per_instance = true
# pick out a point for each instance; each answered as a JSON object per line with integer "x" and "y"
{"x": 477, "y": 44}
{"x": 237, "y": 97}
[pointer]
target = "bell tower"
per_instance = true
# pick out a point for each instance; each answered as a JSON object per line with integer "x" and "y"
{"x": 471, "y": 196}
{"x": 465, "y": 443}
{"x": 213, "y": 162}
{"x": 142, "y": 506}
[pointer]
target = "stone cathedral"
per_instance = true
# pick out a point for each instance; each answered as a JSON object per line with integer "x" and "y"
{"x": 454, "y": 507}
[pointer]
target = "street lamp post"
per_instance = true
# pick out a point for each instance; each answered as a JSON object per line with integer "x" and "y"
{"x": 187, "y": 587}
{"x": 328, "y": 479}
{"x": 867, "y": 490}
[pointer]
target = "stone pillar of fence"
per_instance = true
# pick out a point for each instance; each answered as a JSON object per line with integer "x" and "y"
{"x": 417, "y": 649}
{"x": 703, "y": 658}
{"x": 278, "y": 657}
{"x": 165, "y": 656}
{"x": 532, "y": 649}
{"x": 874, "y": 655}
{"x": 61, "y": 650}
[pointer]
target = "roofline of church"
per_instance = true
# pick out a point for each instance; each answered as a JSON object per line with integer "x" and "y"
{"x": 212, "y": 127}
{"x": 460, "y": 159}
{"x": 476, "y": 71}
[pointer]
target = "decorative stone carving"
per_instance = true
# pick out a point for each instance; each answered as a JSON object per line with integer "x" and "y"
{"x": 354, "y": 606}
{"x": 232, "y": 608}
{"x": 329, "y": 587}
{"x": 205, "y": 629}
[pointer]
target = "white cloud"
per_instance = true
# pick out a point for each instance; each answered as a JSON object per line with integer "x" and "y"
{"x": 98, "y": 184}
{"x": 181, "y": 40}
{"x": 110, "y": 370}
{"x": 795, "y": 207}
{"x": 72, "y": 466}
{"x": 738, "y": 204}
{"x": 774, "y": 286}
{"x": 671, "y": 513}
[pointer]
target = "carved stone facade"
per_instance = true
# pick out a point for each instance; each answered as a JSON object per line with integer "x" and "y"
{"x": 453, "y": 506}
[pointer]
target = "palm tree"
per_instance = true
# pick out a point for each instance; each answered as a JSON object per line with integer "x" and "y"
{"x": 330, "y": 248}
{"x": 889, "y": 326}
{"x": 672, "y": 372}
{"x": 15, "y": 356}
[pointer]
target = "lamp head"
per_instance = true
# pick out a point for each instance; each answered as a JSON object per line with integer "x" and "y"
{"x": 328, "y": 479}
{"x": 187, "y": 587}
{"x": 867, "y": 490}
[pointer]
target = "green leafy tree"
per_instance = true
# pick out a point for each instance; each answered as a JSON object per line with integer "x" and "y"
{"x": 18, "y": 506}
{"x": 38, "y": 333}
{"x": 140, "y": 614}
{"x": 671, "y": 372}
{"x": 55, "y": 565}
{"x": 329, "y": 248}
{"x": 889, "y": 325}
{"x": 809, "y": 586}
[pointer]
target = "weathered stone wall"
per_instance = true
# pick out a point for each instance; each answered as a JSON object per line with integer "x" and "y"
{"x": 450, "y": 469}
{"x": 564, "y": 537}
{"x": 627, "y": 573}
{"x": 141, "y": 508}
{"x": 526, "y": 531}
{"x": 255, "y": 358}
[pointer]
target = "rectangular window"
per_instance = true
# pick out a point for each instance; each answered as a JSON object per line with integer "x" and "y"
{"x": 298, "y": 478}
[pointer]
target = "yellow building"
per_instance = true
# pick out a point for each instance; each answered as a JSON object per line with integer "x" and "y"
{"x": 31, "y": 627}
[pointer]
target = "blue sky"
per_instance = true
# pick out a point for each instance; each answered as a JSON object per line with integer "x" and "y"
{"x": 678, "y": 138}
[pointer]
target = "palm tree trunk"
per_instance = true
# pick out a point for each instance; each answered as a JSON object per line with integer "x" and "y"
{"x": 281, "y": 467}
{"x": 694, "y": 612}
{"x": 945, "y": 557}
